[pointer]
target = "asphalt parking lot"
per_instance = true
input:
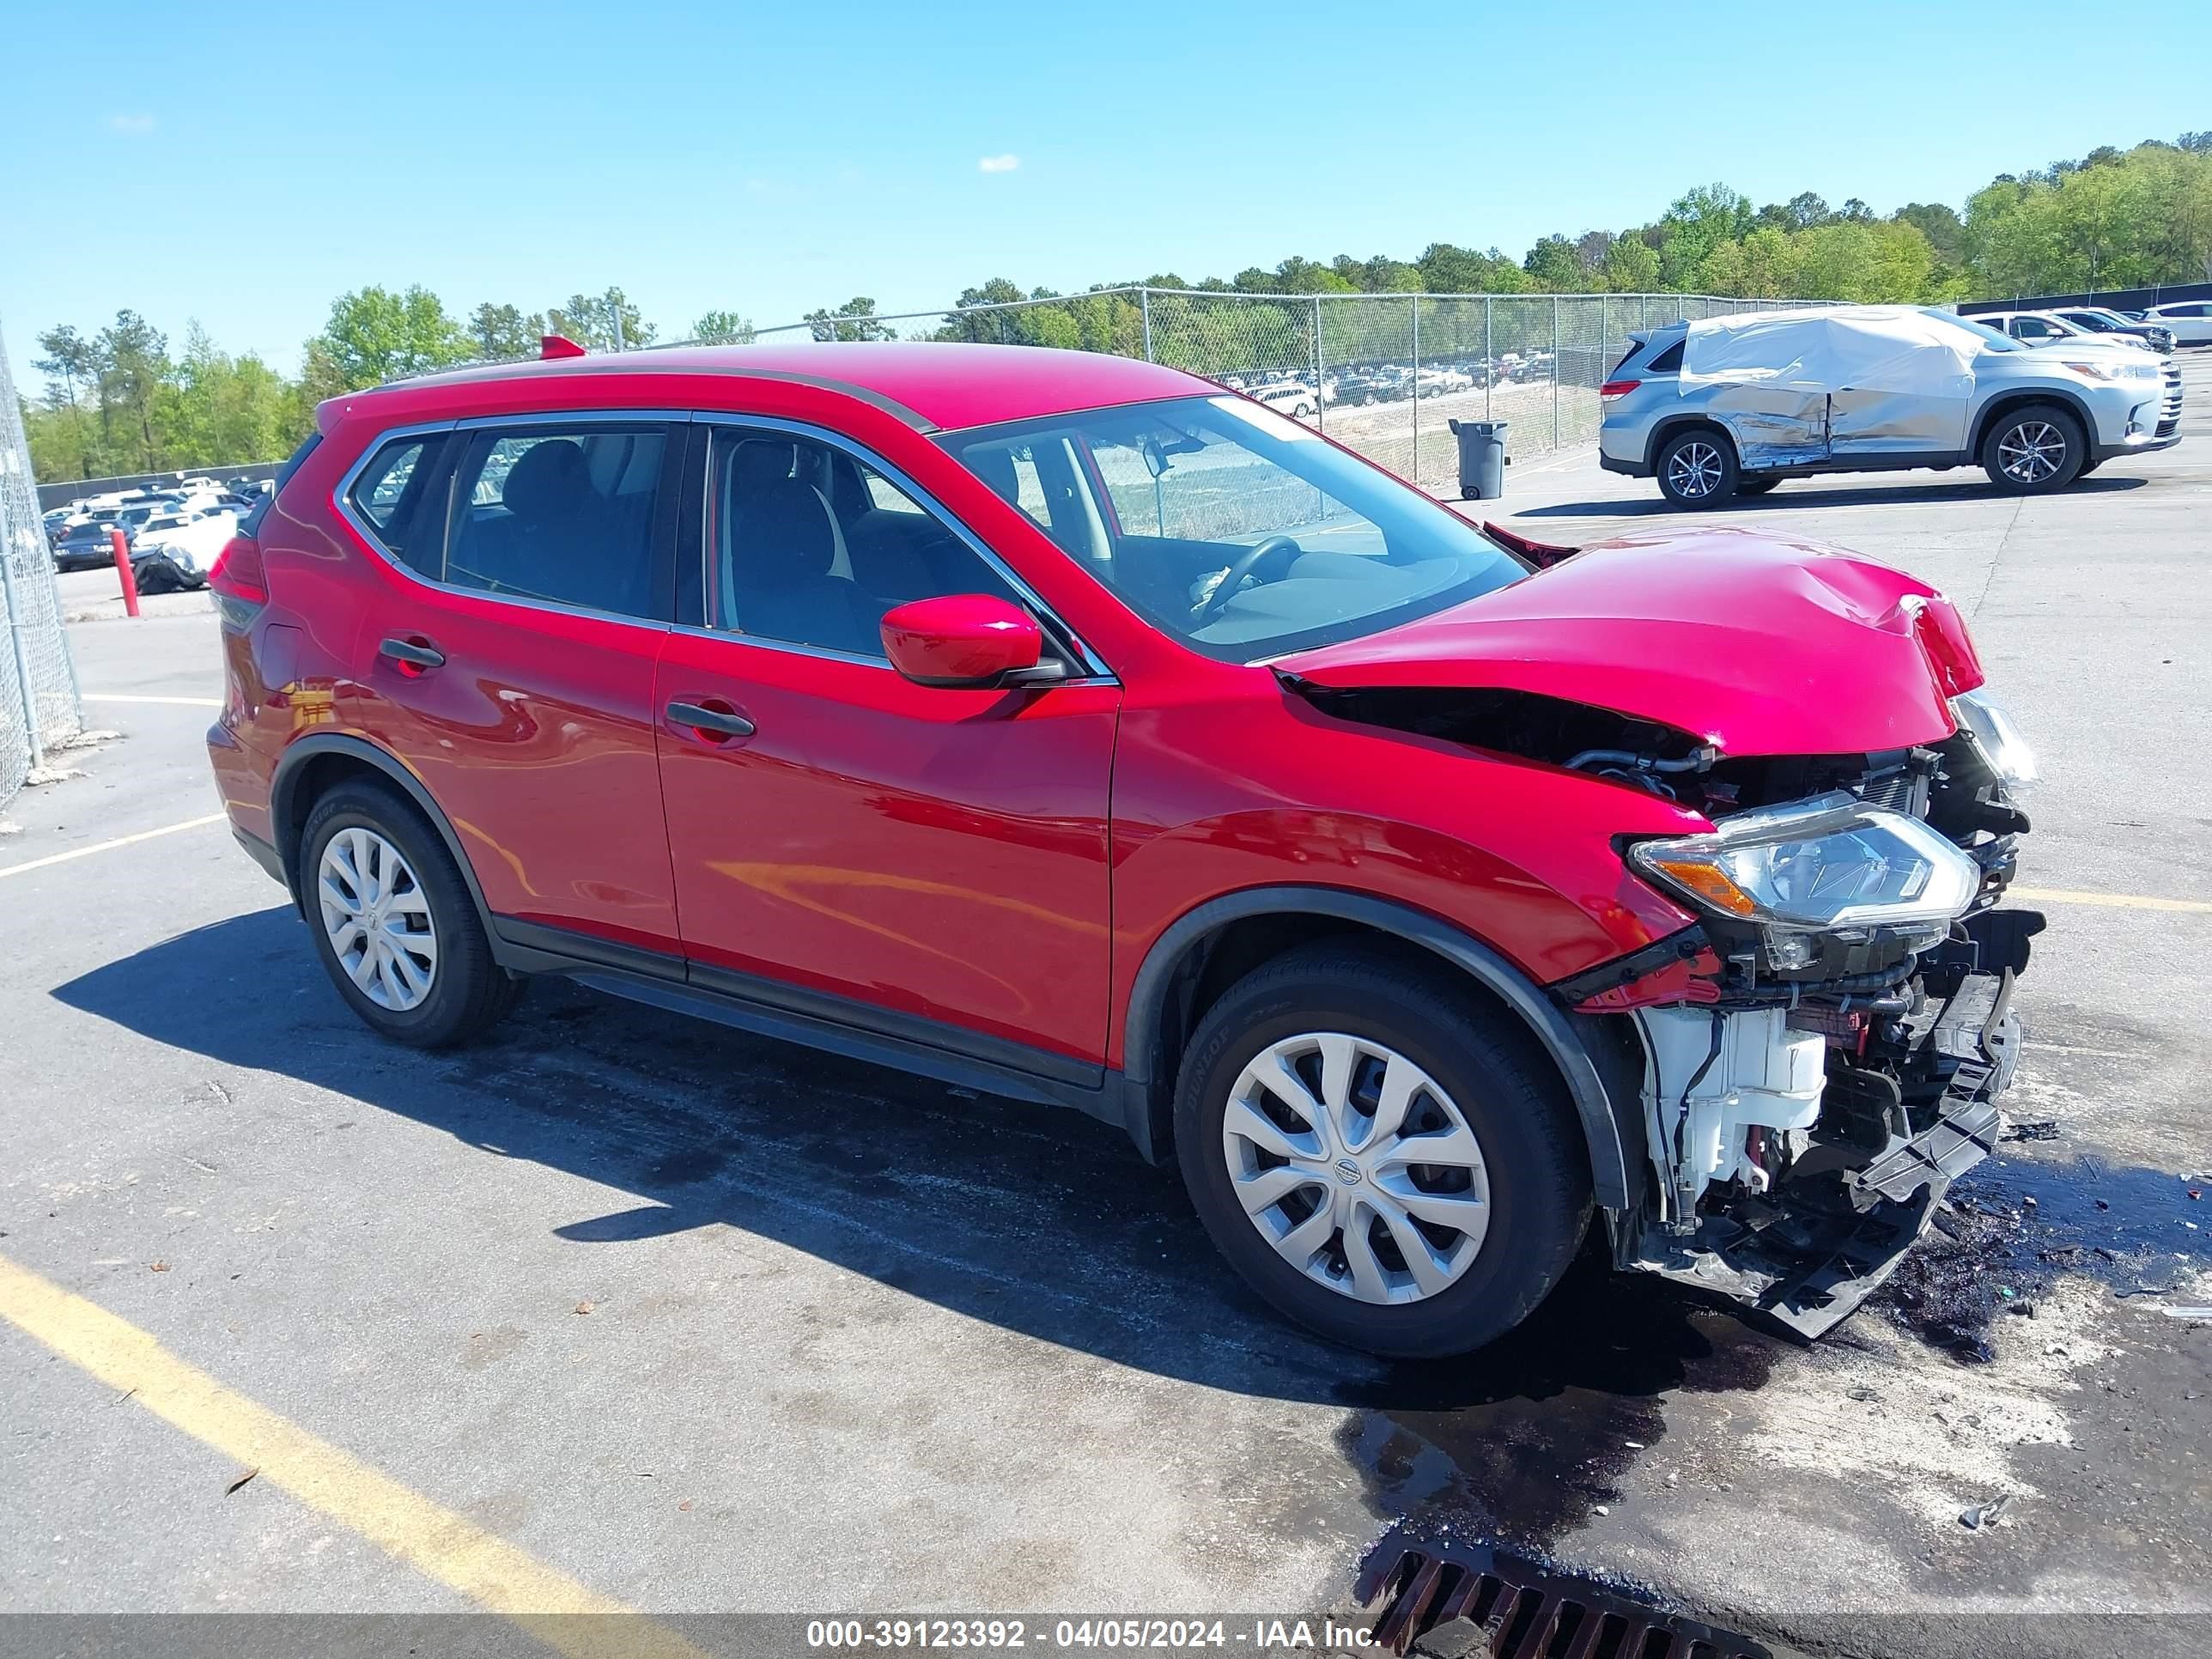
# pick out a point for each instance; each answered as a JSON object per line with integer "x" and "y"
{"x": 619, "y": 1311}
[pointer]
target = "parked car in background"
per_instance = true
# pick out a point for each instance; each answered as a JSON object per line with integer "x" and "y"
{"x": 1291, "y": 398}
{"x": 1361, "y": 386}
{"x": 1057, "y": 723}
{"x": 2188, "y": 320}
{"x": 1736, "y": 404}
{"x": 2098, "y": 320}
{"x": 87, "y": 546}
{"x": 179, "y": 547}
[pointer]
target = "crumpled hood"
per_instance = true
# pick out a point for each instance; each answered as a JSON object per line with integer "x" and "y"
{"x": 1756, "y": 643}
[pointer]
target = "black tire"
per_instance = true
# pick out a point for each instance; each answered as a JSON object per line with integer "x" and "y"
{"x": 2033, "y": 428}
{"x": 1692, "y": 455}
{"x": 469, "y": 991}
{"x": 1538, "y": 1170}
{"x": 1756, "y": 486}
{"x": 2088, "y": 467}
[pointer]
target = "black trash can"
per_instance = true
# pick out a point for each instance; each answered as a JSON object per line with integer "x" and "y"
{"x": 1482, "y": 459}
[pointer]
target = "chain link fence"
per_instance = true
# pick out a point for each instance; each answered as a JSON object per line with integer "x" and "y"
{"x": 37, "y": 681}
{"x": 1384, "y": 373}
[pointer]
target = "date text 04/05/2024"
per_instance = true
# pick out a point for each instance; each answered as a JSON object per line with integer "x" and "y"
{"x": 1124, "y": 1634}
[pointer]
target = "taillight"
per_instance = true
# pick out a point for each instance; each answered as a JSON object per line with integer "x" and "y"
{"x": 240, "y": 585}
{"x": 1613, "y": 389}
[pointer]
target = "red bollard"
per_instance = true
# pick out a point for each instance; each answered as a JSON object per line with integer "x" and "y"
{"x": 123, "y": 569}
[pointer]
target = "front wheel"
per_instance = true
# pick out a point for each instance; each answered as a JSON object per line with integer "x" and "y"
{"x": 1756, "y": 486}
{"x": 1380, "y": 1163}
{"x": 1698, "y": 469}
{"x": 2035, "y": 451}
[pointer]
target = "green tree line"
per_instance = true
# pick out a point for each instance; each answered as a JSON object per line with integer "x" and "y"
{"x": 119, "y": 399}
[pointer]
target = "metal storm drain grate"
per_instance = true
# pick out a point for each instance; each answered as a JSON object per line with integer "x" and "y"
{"x": 1467, "y": 1599}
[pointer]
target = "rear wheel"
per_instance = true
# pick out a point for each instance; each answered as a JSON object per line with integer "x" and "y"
{"x": 1697, "y": 468}
{"x": 1378, "y": 1161}
{"x": 393, "y": 922}
{"x": 2035, "y": 450}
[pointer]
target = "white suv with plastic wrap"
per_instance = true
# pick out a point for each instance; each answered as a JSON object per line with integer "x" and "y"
{"x": 181, "y": 545}
{"x": 1736, "y": 404}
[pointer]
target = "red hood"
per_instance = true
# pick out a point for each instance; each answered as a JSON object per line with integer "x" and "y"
{"x": 1759, "y": 644}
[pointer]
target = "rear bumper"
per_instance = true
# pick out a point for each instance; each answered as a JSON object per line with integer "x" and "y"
{"x": 1627, "y": 468}
{"x": 271, "y": 861}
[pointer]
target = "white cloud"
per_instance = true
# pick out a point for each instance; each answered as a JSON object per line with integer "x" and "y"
{"x": 998, "y": 163}
{"x": 133, "y": 126}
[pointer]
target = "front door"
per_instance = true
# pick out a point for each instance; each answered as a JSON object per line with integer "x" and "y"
{"x": 510, "y": 660}
{"x": 929, "y": 862}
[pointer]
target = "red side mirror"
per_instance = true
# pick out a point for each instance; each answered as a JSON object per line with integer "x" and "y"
{"x": 961, "y": 639}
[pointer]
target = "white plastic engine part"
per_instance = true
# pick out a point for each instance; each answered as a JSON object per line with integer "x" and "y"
{"x": 1763, "y": 1076}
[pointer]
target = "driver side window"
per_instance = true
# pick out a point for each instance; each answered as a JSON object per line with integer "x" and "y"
{"x": 809, "y": 545}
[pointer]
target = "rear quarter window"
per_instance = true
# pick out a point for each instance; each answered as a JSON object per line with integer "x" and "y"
{"x": 1668, "y": 361}
{"x": 399, "y": 497}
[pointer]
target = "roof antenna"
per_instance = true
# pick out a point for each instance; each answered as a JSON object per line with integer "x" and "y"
{"x": 550, "y": 346}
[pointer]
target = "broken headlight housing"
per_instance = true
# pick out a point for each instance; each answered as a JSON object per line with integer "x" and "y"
{"x": 1988, "y": 722}
{"x": 1831, "y": 865}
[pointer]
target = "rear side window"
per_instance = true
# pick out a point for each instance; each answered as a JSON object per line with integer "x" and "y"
{"x": 573, "y": 515}
{"x": 1668, "y": 361}
{"x": 400, "y": 497}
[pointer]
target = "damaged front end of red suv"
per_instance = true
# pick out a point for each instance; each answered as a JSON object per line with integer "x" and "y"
{"x": 1820, "y": 1052}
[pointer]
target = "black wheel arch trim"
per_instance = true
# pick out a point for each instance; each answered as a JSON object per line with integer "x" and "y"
{"x": 292, "y": 765}
{"x": 1664, "y": 432}
{"x": 1147, "y": 1114}
{"x": 1999, "y": 407}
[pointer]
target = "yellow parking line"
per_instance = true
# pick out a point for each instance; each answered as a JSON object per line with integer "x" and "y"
{"x": 427, "y": 1536}
{"x": 103, "y": 846}
{"x": 2118, "y": 900}
{"x": 120, "y": 696}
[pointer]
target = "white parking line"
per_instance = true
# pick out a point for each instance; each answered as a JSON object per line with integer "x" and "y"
{"x": 117, "y": 696}
{"x": 7, "y": 870}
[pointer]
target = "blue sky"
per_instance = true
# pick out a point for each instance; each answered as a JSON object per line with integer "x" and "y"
{"x": 243, "y": 164}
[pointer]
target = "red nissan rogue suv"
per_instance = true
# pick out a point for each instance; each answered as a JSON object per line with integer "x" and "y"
{"x": 1065, "y": 726}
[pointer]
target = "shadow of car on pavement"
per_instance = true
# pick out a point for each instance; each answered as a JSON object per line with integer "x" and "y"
{"x": 1038, "y": 1220}
{"x": 1798, "y": 496}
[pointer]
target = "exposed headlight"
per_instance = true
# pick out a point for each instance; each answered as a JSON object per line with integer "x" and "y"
{"x": 1991, "y": 726}
{"x": 1817, "y": 867}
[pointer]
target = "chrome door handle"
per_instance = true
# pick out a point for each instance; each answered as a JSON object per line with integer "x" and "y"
{"x": 407, "y": 654}
{"x": 727, "y": 722}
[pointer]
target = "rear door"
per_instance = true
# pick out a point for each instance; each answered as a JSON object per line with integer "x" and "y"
{"x": 509, "y": 659}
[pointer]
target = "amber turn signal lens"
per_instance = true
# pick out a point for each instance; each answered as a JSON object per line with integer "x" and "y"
{"x": 1708, "y": 884}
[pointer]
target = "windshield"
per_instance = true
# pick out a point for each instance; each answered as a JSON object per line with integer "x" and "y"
{"x": 1238, "y": 532}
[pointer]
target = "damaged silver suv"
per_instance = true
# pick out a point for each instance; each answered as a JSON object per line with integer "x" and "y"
{"x": 1733, "y": 405}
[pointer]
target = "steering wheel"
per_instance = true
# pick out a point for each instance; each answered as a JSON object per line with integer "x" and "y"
{"x": 1225, "y": 590}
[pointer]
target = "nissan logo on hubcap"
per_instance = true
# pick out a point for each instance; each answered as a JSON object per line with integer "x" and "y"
{"x": 1348, "y": 1172}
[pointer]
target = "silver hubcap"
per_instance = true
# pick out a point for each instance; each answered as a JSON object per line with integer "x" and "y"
{"x": 1356, "y": 1168}
{"x": 2031, "y": 452}
{"x": 377, "y": 919}
{"x": 1695, "y": 470}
